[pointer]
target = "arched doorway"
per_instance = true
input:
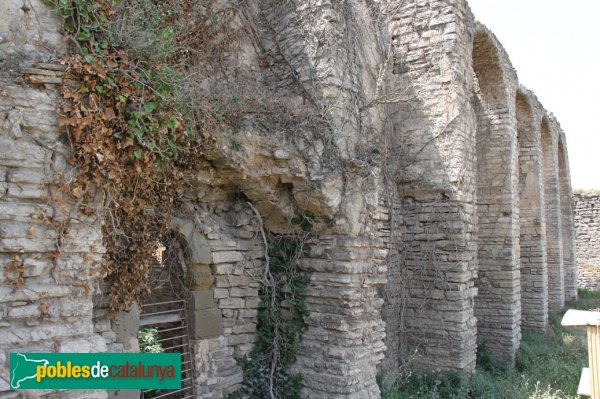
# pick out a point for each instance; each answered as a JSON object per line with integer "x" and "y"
{"x": 163, "y": 326}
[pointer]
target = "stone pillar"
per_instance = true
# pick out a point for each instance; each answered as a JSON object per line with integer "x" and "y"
{"x": 498, "y": 304}
{"x": 344, "y": 342}
{"x": 534, "y": 267}
{"x": 435, "y": 263}
{"x": 429, "y": 317}
{"x": 567, "y": 222}
{"x": 554, "y": 250}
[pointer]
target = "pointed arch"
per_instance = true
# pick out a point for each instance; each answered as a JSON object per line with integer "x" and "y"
{"x": 488, "y": 71}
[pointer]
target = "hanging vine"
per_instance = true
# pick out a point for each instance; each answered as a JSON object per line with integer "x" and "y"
{"x": 281, "y": 316}
{"x": 133, "y": 138}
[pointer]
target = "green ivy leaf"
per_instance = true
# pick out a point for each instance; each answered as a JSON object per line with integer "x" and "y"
{"x": 172, "y": 122}
{"x": 149, "y": 106}
{"x": 137, "y": 154}
{"x": 138, "y": 133}
{"x": 84, "y": 35}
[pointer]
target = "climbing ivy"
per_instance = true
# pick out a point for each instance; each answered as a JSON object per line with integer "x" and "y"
{"x": 130, "y": 131}
{"x": 281, "y": 315}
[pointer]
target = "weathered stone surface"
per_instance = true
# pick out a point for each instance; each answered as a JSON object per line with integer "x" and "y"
{"x": 126, "y": 325}
{"x": 205, "y": 323}
{"x": 227, "y": 257}
{"x": 202, "y": 277}
{"x": 587, "y": 232}
{"x": 199, "y": 300}
{"x": 439, "y": 189}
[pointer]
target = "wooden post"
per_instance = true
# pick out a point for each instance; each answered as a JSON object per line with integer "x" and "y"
{"x": 591, "y": 320}
{"x": 594, "y": 359}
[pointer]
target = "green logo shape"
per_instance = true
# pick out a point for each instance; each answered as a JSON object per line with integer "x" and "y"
{"x": 95, "y": 370}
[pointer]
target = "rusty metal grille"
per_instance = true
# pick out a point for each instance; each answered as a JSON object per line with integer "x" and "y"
{"x": 170, "y": 319}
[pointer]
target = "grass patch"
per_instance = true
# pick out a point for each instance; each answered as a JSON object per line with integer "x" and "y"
{"x": 548, "y": 367}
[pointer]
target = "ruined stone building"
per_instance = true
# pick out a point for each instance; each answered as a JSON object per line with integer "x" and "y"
{"x": 587, "y": 241}
{"x": 439, "y": 184}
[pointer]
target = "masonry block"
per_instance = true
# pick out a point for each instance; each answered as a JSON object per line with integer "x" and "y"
{"x": 227, "y": 257}
{"x": 200, "y": 250}
{"x": 126, "y": 326}
{"x": 202, "y": 277}
{"x": 206, "y": 323}
{"x": 200, "y": 300}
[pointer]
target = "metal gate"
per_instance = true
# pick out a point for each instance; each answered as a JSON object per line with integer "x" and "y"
{"x": 170, "y": 319}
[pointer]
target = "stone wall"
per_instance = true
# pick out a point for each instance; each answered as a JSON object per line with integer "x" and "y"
{"x": 50, "y": 260}
{"x": 587, "y": 232}
{"x": 225, "y": 266}
{"x": 440, "y": 188}
{"x": 429, "y": 295}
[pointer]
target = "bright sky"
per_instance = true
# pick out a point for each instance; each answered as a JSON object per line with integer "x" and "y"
{"x": 555, "y": 47}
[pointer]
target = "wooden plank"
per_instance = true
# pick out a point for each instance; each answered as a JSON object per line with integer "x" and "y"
{"x": 594, "y": 358}
{"x": 585, "y": 386}
{"x": 575, "y": 317}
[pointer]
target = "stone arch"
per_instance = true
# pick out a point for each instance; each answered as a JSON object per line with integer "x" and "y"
{"x": 181, "y": 271}
{"x": 179, "y": 310}
{"x": 205, "y": 319}
{"x": 532, "y": 227}
{"x": 498, "y": 305}
{"x": 568, "y": 223}
{"x": 488, "y": 70}
{"x": 556, "y": 297}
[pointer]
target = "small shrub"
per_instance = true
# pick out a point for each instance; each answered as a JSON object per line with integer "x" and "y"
{"x": 148, "y": 338}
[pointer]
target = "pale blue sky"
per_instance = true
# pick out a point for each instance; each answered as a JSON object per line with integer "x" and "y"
{"x": 555, "y": 47}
